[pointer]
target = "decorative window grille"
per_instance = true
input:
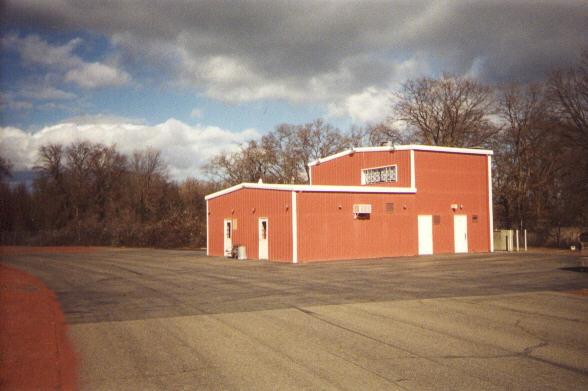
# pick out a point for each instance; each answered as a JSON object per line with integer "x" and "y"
{"x": 378, "y": 175}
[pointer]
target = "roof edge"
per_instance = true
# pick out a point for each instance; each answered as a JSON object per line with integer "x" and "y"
{"x": 313, "y": 188}
{"x": 413, "y": 147}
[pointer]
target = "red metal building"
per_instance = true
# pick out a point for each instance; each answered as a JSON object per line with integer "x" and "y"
{"x": 362, "y": 203}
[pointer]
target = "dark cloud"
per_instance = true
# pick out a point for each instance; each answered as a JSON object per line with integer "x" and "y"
{"x": 325, "y": 50}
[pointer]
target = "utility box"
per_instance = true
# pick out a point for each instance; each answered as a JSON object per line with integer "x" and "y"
{"x": 241, "y": 253}
{"x": 503, "y": 240}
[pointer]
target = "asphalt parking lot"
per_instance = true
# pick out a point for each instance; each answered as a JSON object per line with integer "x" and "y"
{"x": 156, "y": 319}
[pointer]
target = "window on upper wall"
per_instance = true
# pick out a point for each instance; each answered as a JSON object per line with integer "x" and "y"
{"x": 385, "y": 174}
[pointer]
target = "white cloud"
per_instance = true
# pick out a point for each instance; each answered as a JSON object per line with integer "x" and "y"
{"x": 185, "y": 148}
{"x": 35, "y": 51}
{"x": 262, "y": 50}
{"x": 372, "y": 105}
{"x": 8, "y": 101}
{"x": 95, "y": 75}
{"x": 61, "y": 58}
{"x": 46, "y": 93}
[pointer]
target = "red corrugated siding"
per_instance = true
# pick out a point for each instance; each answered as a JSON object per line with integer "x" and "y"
{"x": 346, "y": 170}
{"x": 239, "y": 205}
{"x": 326, "y": 227}
{"x": 443, "y": 179}
{"x": 326, "y": 232}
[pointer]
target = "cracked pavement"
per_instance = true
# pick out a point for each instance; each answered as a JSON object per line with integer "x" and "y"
{"x": 157, "y": 319}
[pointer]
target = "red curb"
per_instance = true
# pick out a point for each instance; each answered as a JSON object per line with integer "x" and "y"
{"x": 35, "y": 352}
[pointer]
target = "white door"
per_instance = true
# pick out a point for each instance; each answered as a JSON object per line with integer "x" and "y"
{"x": 425, "y": 234}
{"x": 263, "y": 238}
{"x": 228, "y": 234}
{"x": 460, "y": 233}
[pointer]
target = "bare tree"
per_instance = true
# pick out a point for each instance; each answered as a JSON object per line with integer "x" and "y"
{"x": 318, "y": 139}
{"x": 6, "y": 209}
{"x": 78, "y": 161}
{"x": 450, "y": 111}
{"x": 281, "y": 156}
{"x": 569, "y": 93}
{"x": 385, "y": 133}
{"x": 569, "y": 96}
{"x": 252, "y": 162}
{"x": 51, "y": 161}
{"x": 109, "y": 169}
{"x": 148, "y": 170}
{"x": 5, "y": 168}
{"x": 50, "y": 186}
{"x": 527, "y": 157}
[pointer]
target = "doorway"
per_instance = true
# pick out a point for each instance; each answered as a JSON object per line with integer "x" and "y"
{"x": 460, "y": 233}
{"x": 263, "y": 238}
{"x": 425, "y": 227}
{"x": 228, "y": 235}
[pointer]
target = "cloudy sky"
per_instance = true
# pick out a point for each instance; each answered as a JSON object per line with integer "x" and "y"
{"x": 194, "y": 78}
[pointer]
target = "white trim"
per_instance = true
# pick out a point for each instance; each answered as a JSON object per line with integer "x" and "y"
{"x": 490, "y": 207}
{"x": 412, "y": 173}
{"x": 294, "y": 229}
{"x": 224, "y": 191}
{"x": 412, "y": 147}
{"x": 363, "y": 170}
{"x": 207, "y": 232}
{"x": 313, "y": 188}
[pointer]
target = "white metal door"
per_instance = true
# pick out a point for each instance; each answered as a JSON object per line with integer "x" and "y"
{"x": 425, "y": 234}
{"x": 228, "y": 235}
{"x": 263, "y": 238}
{"x": 460, "y": 233}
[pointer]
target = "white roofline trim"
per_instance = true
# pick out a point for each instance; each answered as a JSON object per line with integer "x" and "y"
{"x": 412, "y": 147}
{"x": 314, "y": 188}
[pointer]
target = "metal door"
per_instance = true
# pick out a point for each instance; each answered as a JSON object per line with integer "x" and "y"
{"x": 460, "y": 233}
{"x": 228, "y": 235}
{"x": 425, "y": 227}
{"x": 263, "y": 238}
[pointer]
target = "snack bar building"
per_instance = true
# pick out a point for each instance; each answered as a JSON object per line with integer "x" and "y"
{"x": 362, "y": 203}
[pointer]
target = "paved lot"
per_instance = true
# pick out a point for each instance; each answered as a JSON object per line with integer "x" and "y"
{"x": 175, "y": 319}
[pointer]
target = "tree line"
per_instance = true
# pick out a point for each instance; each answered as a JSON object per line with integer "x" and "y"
{"x": 92, "y": 194}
